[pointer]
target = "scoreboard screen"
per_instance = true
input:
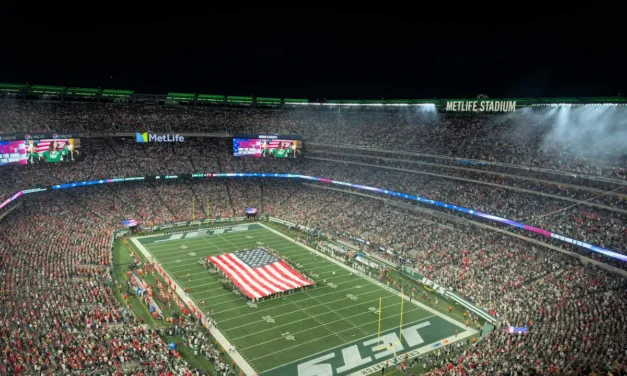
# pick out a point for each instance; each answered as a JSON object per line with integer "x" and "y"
{"x": 267, "y": 146}
{"x": 21, "y": 152}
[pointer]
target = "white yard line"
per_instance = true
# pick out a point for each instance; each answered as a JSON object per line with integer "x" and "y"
{"x": 319, "y": 338}
{"x": 271, "y": 308}
{"x": 197, "y": 230}
{"x": 214, "y": 296}
{"x": 192, "y": 240}
{"x": 377, "y": 367}
{"x": 220, "y": 236}
{"x": 173, "y": 255}
{"x": 411, "y": 354}
{"x": 287, "y": 250}
{"x": 235, "y": 355}
{"x": 337, "y": 312}
{"x": 206, "y": 284}
{"x": 178, "y": 264}
{"x": 323, "y": 324}
{"x": 373, "y": 281}
{"x": 326, "y": 266}
{"x": 310, "y": 316}
{"x": 327, "y": 350}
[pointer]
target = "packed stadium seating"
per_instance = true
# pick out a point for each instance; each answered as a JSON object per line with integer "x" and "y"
{"x": 56, "y": 298}
{"x": 519, "y": 139}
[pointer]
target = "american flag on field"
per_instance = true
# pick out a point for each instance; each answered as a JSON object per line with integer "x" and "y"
{"x": 258, "y": 273}
{"x": 130, "y": 223}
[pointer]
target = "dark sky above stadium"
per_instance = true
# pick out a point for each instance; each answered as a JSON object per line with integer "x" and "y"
{"x": 419, "y": 52}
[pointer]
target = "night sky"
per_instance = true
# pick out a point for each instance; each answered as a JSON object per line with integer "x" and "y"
{"x": 318, "y": 53}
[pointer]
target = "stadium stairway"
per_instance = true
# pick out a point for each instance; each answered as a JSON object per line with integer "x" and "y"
{"x": 196, "y": 199}
{"x": 89, "y": 210}
{"x": 162, "y": 201}
{"x": 194, "y": 169}
{"x": 110, "y": 147}
{"x": 490, "y": 184}
{"x": 261, "y": 186}
{"x": 124, "y": 200}
{"x": 226, "y": 185}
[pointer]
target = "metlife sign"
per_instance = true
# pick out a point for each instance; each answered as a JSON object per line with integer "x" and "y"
{"x": 152, "y": 137}
{"x": 480, "y": 106}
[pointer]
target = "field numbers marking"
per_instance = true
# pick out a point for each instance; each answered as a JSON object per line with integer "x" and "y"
{"x": 373, "y": 310}
{"x": 351, "y": 297}
{"x": 252, "y": 305}
{"x": 269, "y": 319}
{"x": 288, "y": 336}
{"x": 332, "y": 285}
{"x": 192, "y": 254}
{"x": 388, "y": 344}
{"x": 183, "y": 246}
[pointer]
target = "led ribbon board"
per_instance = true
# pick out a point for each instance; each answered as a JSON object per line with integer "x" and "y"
{"x": 461, "y": 209}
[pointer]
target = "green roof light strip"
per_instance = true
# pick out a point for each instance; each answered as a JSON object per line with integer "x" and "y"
{"x": 84, "y": 90}
{"x": 182, "y": 95}
{"x": 211, "y": 98}
{"x": 296, "y": 101}
{"x": 13, "y": 86}
{"x": 239, "y": 99}
{"x": 267, "y": 100}
{"x": 113, "y": 93}
{"x": 44, "y": 87}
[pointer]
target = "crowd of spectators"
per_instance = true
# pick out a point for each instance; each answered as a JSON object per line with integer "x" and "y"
{"x": 574, "y": 312}
{"x": 58, "y": 312}
{"x": 601, "y": 221}
{"x": 604, "y": 227}
{"x": 525, "y": 138}
{"x": 602, "y": 194}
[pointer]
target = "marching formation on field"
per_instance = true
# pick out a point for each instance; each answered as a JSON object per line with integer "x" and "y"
{"x": 57, "y": 308}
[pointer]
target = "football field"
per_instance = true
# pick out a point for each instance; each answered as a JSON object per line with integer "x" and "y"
{"x": 330, "y": 329}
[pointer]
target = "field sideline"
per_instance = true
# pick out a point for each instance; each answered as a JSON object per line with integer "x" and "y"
{"x": 331, "y": 329}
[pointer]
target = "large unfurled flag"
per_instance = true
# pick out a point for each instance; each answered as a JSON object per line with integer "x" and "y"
{"x": 258, "y": 273}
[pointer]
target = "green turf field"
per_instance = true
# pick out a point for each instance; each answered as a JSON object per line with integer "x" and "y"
{"x": 331, "y": 329}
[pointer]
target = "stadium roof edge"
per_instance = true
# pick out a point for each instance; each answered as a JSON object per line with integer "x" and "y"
{"x": 69, "y": 92}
